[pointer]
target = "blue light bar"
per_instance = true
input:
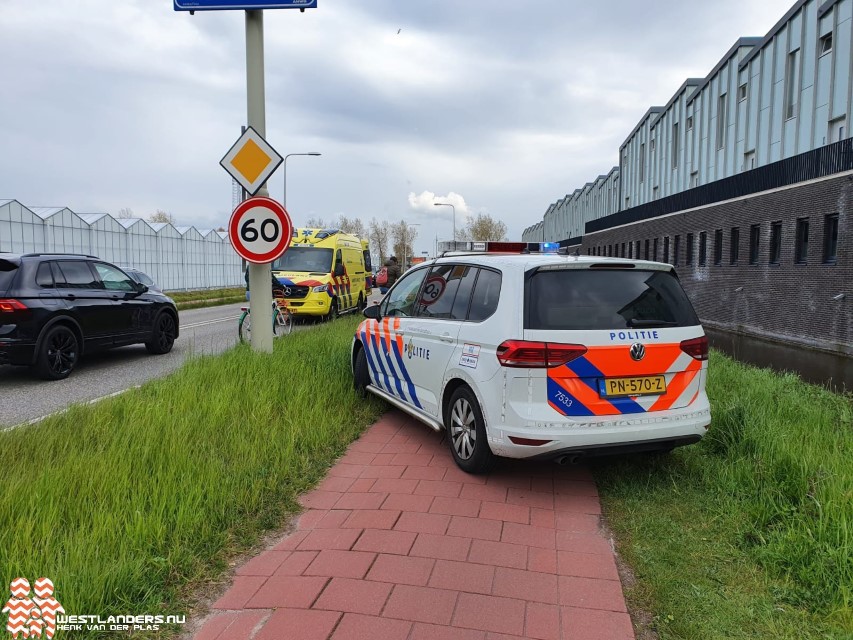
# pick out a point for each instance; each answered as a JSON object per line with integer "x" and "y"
{"x": 549, "y": 247}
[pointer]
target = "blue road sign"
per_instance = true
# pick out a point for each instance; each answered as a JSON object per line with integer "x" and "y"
{"x": 214, "y": 5}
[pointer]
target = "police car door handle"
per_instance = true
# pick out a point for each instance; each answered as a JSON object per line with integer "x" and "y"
{"x": 446, "y": 337}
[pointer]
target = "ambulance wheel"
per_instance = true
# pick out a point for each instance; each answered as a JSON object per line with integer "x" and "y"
{"x": 466, "y": 433}
{"x": 361, "y": 376}
{"x": 333, "y": 311}
{"x": 362, "y": 303}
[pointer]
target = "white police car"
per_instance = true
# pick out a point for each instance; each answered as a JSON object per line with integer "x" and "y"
{"x": 539, "y": 355}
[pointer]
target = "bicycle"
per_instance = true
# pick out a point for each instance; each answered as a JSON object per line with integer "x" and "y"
{"x": 282, "y": 319}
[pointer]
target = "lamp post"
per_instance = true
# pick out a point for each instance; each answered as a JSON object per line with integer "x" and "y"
{"x": 406, "y": 241}
{"x": 284, "y": 164}
{"x": 447, "y": 204}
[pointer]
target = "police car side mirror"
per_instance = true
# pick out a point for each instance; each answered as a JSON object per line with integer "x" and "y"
{"x": 372, "y": 312}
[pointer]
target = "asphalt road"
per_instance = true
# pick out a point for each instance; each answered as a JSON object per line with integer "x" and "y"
{"x": 24, "y": 397}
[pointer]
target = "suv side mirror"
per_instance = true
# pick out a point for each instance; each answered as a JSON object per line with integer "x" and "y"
{"x": 372, "y": 312}
{"x": 339, "y": 270}
{"x": 141, "y": 288}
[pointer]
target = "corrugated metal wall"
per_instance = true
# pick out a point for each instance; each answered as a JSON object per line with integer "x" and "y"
{"x": 175, "y": 257}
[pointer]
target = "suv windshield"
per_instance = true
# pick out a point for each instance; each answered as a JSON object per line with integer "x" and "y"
{"x": 7, "y": 273}
{"x": 581, "y": 299}
{"x": 307, "y": 259}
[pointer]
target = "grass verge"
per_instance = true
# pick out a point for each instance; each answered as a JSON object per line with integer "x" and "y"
{"x": 129, "y": 504}
{"x": 207, "y": 298}
{"x": 748, "y": 534}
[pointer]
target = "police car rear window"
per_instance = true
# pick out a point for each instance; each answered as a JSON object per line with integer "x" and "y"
{"x": 582, "y": 299}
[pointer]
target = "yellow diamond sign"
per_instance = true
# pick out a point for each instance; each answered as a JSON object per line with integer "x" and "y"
{"x": 251, "y": 161}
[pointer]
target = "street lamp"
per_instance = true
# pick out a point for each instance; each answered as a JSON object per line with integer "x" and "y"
{"x": 406, "y": 240}
{"x": 447, "y": 204}
{"x": 284, "y": 195}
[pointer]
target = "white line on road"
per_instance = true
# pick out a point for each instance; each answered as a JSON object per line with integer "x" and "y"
{"x": 61, "y": 411}
{"x": 207, "y": 322}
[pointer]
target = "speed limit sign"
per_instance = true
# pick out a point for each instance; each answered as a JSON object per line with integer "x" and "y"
{"x": 260, "y": 230}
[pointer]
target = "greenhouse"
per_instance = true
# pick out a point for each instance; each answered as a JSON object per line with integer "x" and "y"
{"x": 175, "y": 257}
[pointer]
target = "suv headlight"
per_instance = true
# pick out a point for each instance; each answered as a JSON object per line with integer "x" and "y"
{"x": 321, "y": 288}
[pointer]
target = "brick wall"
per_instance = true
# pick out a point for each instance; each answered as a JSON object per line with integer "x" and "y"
{"x": 787, "y": 301}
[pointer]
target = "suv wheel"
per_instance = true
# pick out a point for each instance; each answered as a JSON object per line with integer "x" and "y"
{"x": 163, "y": 335}
{"x": 361, "y": 376}
{"x": 466, "y": 433}
{"x": 58, "y": 353}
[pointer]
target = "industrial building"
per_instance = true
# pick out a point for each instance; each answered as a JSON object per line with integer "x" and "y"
{"x": 743, "y": 181}
{"x": 175, "y": 257}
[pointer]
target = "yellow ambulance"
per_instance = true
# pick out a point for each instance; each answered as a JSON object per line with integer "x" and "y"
{"x": 323, "y": 273}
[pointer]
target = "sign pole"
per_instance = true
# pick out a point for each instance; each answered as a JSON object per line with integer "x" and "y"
{"x": 260, "y": 299}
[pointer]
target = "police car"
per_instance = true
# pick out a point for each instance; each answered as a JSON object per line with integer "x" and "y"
{"x": 539, "y": 355}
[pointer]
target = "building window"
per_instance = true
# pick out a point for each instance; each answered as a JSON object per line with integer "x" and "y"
{"x": 754, "y": 240}
{"x": 718, "y": 247}
{"x": 830, "y": 238}
{"x": 734, "y": 246}
{"x": 688, "y": 256}
{"x": 676, "y": 246}
{"x": 749, "y": 160}
{"x": 666, "y": 249}
{"x": 741, "y": 92}
{"x": 637, "y": 250}
{"x": 801, "y": 250}
{"x": 825, "y": 44}
{"x": 792, "y": 88}
{"x": 703, "y": 248}
{"x": 721, "y": 121}
{"x": 642, "y": 163}
{"x": 675, "y": 145}
{"x": 655, "y": 249}
{"x": 690, "y": 123}
{"x": 694, "y": 179}
{"x": 647, "y": 250}
{"x": 623, "y": 249}
{"x": 775, "y": 242}
{"x": 836, "y": 130}
{"x": 630, "y": 249}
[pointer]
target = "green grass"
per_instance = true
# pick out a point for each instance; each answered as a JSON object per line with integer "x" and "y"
{"x": 206, "y": 298}
{"x": 748, "y": 534}
{"x": 130, "y": 504}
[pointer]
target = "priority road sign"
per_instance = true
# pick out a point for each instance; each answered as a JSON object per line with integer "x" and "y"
{"x": 251, "y": 161}
{"x": 260, "y": 230}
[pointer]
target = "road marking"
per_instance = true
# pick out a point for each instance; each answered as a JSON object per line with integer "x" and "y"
{"x": 207, "y": 322}
{"x": 61, "y": 411}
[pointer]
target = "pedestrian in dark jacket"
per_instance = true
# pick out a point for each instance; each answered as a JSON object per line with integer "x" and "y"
{"x": 393, "y": 271}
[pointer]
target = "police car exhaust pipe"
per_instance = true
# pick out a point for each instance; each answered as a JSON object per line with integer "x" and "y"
{"x": 565, "y": 461}
{"x": 433, "y": 423}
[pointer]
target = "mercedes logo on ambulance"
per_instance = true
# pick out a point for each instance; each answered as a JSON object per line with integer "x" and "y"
{"x": 638, "y": 351}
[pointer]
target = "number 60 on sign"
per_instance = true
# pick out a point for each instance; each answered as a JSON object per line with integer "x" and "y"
{"x": 260, "y": 230}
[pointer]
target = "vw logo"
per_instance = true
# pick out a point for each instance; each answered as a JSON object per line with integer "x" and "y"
{"x": 638, "y": 351}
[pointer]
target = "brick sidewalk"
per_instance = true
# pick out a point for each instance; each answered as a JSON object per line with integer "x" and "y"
{"x": 397, "y": 542}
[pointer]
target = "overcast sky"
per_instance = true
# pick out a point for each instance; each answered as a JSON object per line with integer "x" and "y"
{"x": 497, "y": 106}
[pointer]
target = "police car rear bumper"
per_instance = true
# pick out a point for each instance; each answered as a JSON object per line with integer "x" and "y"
{"x": 602, "y": 436}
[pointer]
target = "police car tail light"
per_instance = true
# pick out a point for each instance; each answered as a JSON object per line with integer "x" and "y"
{"x": 696, "y": 348}
{"x": 537, "y": 355}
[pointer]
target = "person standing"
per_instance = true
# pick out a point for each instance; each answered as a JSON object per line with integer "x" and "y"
{"x": 393, "y": 271}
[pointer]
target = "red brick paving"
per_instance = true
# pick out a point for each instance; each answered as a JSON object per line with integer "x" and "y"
{"x": 397, "y": 542}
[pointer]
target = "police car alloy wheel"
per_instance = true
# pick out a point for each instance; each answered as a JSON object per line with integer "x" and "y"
{"x": 466, "y": 433}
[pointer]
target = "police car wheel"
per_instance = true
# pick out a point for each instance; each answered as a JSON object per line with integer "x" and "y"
{"x": 466, "y": 433}
{"x": 361, "y": 376}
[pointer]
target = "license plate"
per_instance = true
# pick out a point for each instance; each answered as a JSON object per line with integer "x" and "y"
{"x": 643, "y": 386}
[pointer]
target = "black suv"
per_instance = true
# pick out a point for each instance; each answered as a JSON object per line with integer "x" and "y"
{"x": 53, "y": 307}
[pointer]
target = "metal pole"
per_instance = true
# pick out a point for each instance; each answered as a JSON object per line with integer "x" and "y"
{"x": 454, "y": 226}
{"x": 284, "y": 193}
{"x": 260, "y": 302}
